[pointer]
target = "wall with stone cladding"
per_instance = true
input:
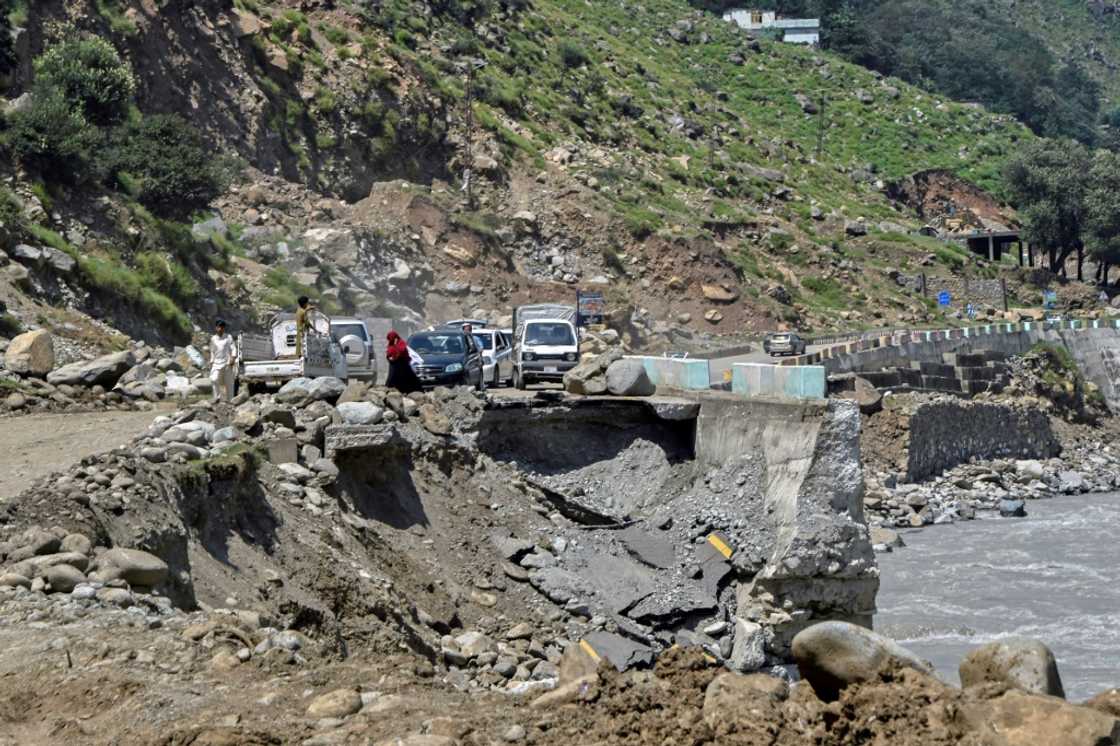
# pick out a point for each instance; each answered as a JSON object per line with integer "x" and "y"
{"x": 946, "y": 432}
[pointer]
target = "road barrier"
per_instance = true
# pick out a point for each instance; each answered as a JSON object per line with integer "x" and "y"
{"x": 676, "y": 373}
{"x": 778, "y": 381}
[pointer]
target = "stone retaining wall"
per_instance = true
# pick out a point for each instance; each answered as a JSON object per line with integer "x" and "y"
{"x": 947, "y": 432}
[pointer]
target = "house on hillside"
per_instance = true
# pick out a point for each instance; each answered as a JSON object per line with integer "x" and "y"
{"x": 792, "y": 30}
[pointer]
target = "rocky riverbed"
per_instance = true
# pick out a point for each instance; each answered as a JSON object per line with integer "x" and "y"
{"x": 1087, "y": 465}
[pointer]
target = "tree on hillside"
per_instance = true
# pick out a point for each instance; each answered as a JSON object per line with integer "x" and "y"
{"x": 1102, "y": 212}
{"x": 1048, "y": 182}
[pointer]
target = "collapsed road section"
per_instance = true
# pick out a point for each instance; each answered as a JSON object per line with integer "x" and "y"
{"x": 715, "y": 521}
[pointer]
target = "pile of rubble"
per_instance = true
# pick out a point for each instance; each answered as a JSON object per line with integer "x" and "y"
{"x": 128, "y": 379}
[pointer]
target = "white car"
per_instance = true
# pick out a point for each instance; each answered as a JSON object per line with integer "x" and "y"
{"x": 497, "y": 356}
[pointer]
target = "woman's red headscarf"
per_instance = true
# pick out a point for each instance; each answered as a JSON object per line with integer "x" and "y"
{"x": 397, "y": 347}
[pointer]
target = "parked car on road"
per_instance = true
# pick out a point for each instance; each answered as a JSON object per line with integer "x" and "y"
{"x": 450, "y": 358}
{"x": 783, "y": 343}
{"x": 353, "y": 337}
{"x": 497, "y": 358}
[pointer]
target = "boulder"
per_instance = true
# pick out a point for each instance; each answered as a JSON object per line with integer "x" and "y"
{"x": 135, "y": 566}
{"x": 360, "y": 413}
{"x": 1018, "y": 662}
{"x": 589, "y": 378}
{"x": 1012, "y": 508}
{"x": 336, "y": 704}
{"x": 30, "y": 353}
{"x": 730, "y": 694}
{"x": 833, "y": 655}
{"x": 629, "y": 378}
{"x": 63, "y": 578}
{"x": 1016, "y": 718}
{"x": 869, "y": 398}
{"x": 473, "y": 644}
{"x": 26, "y": 254}
{"x": 356, "y": 391}
{"x": 296, "y": 391}
{"x": 103, "y": 371}
{"x": 720, "y": 293}
{"x": 59, "y": 261}
{"x": 748, "y": 652}
{"x": 434, "y": 421}
{"x": 1107, "y": 701}
{"x": 327, "y": 388}
{"x": 76, "y": 543}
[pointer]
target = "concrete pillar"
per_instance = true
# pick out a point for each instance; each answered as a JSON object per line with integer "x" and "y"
{"x": 991, "y": 248}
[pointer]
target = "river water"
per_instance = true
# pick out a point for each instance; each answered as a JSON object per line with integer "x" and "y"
{"x": 1053, "y": 576}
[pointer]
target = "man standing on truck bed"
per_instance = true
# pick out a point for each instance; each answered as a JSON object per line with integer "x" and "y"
{"x": 223, "y": 363}
{"x": 302, "y": 322}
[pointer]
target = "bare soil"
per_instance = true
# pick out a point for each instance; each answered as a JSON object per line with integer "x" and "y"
{"x": 33, "y": 446}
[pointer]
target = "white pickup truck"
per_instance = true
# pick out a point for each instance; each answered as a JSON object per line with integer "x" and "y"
{"x": 545, "y": 343}
{"x": 271, "y": 358}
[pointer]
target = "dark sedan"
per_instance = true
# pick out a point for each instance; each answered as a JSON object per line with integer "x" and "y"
{"x": 451, "y": 358}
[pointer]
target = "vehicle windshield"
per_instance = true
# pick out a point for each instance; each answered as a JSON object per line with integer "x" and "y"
{"x": 484, "y": 341}
{"x": 437, "y": 344}
{"x": 338, "y": 331}
{"x": 554, "y": 334}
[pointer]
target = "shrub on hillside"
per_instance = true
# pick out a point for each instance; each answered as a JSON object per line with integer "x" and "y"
{"x": 91, "y": 76}
{"x": 51, "y": 135}
{"x": 164, "y": 163}
{"x": 572, "y": 54}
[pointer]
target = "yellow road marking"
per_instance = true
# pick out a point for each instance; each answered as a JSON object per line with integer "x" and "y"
{"x": 720, "y": 547}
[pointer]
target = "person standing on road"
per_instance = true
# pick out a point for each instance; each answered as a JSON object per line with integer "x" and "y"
{"x": 223, "y": 363}
{"x": 304, "y": 308}
{"x": 401, "y": 375}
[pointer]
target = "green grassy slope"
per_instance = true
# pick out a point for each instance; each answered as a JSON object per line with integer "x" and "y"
{"x": 607, "y": 72}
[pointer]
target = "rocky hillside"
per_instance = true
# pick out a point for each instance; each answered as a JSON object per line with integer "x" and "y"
{"x": 711, "y": 183}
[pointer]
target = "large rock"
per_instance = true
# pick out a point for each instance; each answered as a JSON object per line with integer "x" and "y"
{"x": 590, "y": 378}
{"x": 102, "y": 371}
{"x": 360, "y": 413}
{"x": 731, "y": 696}
{"x": 1020, "y": 719}
{"x": 134, "y": 566}
{"x": 300, "y": 391}
{"x": 629, "y": 378}
{"x": 1019, "y": 662}
{"x": 63, "y": 578}
{"x": 748, "y": 652}
{"x": 30, "y": 353}
{"x": 336, "y": 704}
{"x": 833, "y": 655}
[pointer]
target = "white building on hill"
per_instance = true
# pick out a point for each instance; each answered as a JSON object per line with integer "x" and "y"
{"x": 794, "y": 30}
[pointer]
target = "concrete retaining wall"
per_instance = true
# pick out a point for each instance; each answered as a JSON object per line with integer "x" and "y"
{"x": 671, "y": 373}
{"x": 776, "y": 381}
{"x": 812, "y": 540}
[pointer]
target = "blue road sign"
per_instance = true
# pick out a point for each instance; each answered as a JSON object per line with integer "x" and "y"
{"x": 943, "y": 298}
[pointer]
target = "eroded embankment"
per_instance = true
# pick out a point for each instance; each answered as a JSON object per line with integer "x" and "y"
{"x": 634, "y": 525}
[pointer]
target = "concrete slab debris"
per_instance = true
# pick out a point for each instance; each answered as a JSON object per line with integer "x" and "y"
{"x": 620, "y": 652}
{"x": 651, "y": 549}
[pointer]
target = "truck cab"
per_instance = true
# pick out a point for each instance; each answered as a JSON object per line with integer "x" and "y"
{"x": 546, "y": 344}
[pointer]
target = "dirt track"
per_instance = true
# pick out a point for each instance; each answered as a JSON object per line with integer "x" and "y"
{"x": 34, "y": 445}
